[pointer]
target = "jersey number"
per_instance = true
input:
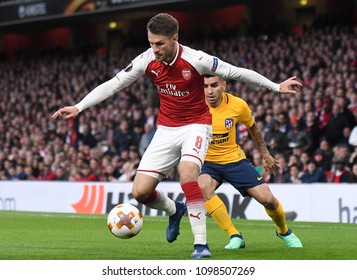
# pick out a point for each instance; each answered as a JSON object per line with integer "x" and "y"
{"x": 198, "y": 143}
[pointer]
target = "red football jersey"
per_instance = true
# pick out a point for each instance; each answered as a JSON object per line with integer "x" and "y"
{"x": 180, "y": 88}
{"x": 179, "y": 84}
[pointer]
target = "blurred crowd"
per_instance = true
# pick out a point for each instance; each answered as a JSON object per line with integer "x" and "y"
{"x": 308, "y": 133}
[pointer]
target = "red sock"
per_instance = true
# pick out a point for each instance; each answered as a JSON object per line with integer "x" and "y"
{"x": 192, "y": 192}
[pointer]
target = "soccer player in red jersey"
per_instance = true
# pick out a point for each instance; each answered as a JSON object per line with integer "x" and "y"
{"x": 184, "y": 120}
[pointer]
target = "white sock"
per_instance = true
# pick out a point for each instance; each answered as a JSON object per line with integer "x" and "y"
{"x": 197, "y": 215}
{"x": 163, "y": 203}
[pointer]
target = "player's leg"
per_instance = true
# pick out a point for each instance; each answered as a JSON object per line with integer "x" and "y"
{"x": 194, "y": 149}
{"x": 275, "y": 211}
{"x": 273, "y": 207}
{"x": 195, "y": 207}
{"x": 159, "y": 158}
{"x": 144, "y": 191}
{"x": 217, "y": 209}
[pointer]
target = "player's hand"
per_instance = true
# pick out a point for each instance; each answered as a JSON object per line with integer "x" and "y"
{"x": 290, "y": 86}
{"x": 270, "y": 164}
{"x": 66, "y": 113}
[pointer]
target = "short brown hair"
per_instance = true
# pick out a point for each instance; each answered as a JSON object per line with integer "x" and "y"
{"x": 163, "y": 24}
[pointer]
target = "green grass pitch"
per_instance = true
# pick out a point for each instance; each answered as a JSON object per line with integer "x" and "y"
{"x": 54, "y": 236}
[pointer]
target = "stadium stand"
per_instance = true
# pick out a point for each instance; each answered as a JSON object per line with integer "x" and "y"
{"x": 105, "y": 142}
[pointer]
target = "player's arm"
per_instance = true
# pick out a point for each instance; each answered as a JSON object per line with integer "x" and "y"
{"x": 105, "y": 90}
{"x": 270, "y": 164}
{"x": 214, "y": 66}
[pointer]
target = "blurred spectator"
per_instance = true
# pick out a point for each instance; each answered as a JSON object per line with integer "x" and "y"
{"x": 108, "y": 132}
{"x": 341, "y": 101}
{"x": 352, "y": 105}
{"x": 134, "y": 156}
{"x": 275, "y": 139}
{"x": 295, "y": 174}
{"x": 3, "y": 175}
{"x": 353, "y": 177}
{"x": 129, "y": 171}
{"x": 29, "y": 173}
{"x": 325, "y": 114}
{"x": 85, "y": 173}
{"x": 86, "y": 137}
{"x": 145, "y": 138}
{"x": 341, "y": 174}
{"x": 298, "y": 137}
{"x": 312, "y": 130}
{"x": 341, "y": 152}
{"x": 320, "y": 161}
{"x": 326, "y": 150}
{"x": 284, "y": 123}
{"x": 313, "y": 174}
{"x": 335, "y": 126}
{"x": 346, "y": 132}
{"x": 123, "y": 136}
{"x": 258, "y": 162}
{"x": 20, "y": 172}
{"x": 61, "y": 174}
{"x": 46, "y": 174}
{"x": 95, "y": 166}
{"x": 138, "y": 131}
{"x": 74, "y": 174}
{"x": 282, "y": 175}
{"x": 111, "y": 174}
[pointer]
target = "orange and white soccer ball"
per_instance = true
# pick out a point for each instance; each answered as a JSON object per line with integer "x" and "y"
{"x": 125, "y": 221}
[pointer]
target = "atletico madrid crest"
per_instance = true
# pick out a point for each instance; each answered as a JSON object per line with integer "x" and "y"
{"x": 228, "y": 123}
{"x": 186, "y": 74}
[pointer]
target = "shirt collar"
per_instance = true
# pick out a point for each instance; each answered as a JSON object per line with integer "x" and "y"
{"x": 176, "y": 55}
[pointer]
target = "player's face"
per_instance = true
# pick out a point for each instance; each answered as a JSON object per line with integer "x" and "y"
{"x": 164, "y": 47}
{"x": 213, "y": 87}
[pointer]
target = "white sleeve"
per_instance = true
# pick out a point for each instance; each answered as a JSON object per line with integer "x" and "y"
{"x": 121, "y": 80}
{"x": 214, "y": 66}
{"x": 352, "y": 139}
{"x": 99, "y": 94}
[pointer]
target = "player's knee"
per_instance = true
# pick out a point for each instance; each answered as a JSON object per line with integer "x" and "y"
{"x": 205, "y": 184}
{"x": 271, "y": 203}
{"x": 140, "y": 195}
{"x": 144, "y": 187}
{"x": 188, "y": 172}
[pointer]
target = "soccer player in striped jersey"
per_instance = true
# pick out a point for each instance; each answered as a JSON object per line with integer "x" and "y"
{"x": 226, "y": 161}
{"x": 184, "y": 121}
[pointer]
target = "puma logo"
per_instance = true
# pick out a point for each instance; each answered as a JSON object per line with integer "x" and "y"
{"x": 156, "y": 73}
{"x": 259, "y": 178}
{"x": 196, "y": 216}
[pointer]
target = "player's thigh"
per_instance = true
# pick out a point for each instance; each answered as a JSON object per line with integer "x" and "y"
{"x": 188, "y": 171}
{"x": 143, "y": 186}
{"x": 242, "y": 175}
{"x": 162, "y": 154}
{"x": 195, "y": 143}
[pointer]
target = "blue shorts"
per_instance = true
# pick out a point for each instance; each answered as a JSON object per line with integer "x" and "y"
{"x": 240, "y": 175}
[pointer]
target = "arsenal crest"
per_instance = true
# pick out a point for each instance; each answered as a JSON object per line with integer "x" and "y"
{"x": 186, "y": 74}
{"x": 228, "y": 123}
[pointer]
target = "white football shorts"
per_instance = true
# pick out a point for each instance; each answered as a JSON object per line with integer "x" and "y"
{"x": 173, "y": 144}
